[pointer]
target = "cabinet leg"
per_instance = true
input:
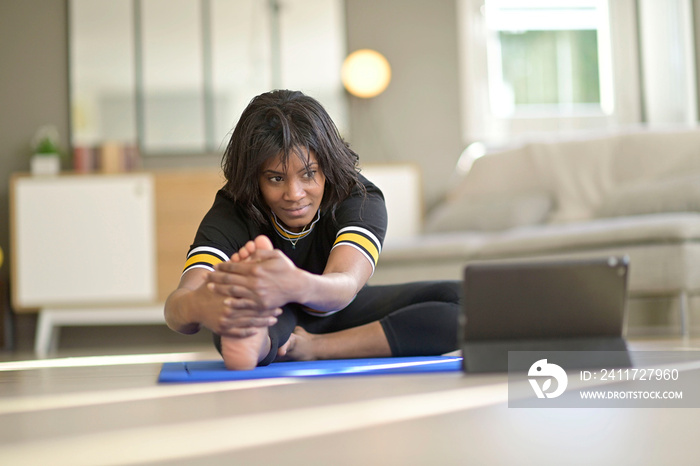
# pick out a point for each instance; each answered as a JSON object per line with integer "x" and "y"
{"x": 46, "y": 334}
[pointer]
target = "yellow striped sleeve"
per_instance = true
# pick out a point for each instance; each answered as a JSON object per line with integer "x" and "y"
{"x": 361, "y": 239}
{"x": 204, "y": 257}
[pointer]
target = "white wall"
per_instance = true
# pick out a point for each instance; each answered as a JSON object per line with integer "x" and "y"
{"x": 417, "y": 119}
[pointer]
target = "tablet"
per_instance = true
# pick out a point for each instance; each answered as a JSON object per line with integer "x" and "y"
{"x": 557, "y": 305}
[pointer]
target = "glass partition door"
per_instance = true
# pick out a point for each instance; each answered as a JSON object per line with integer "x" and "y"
{"x": 172, "y": 76}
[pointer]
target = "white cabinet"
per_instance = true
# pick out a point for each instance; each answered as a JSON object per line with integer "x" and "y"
{"x": 84, "y": 240}
{"x": 84, "y": 250}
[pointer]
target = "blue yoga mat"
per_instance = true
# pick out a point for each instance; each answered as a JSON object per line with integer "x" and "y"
{"x": 210, "y": 371}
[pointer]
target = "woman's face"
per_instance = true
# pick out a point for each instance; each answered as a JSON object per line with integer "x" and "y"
{"x": 294, "y": 193}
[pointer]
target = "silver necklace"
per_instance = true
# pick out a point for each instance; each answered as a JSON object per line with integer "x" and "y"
{"x": 293, "y": 237}
{"x": 301, "y": 235}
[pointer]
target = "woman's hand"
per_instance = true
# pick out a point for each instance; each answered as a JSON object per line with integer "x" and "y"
{"x": 229, "y": 316}
{"x": 262, "y": 278}
{"x": 267, "y": 279}
{"x": 194, "y": 305}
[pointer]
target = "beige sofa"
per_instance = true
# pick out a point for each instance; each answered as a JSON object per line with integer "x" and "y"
{"x": 635, "y": 193}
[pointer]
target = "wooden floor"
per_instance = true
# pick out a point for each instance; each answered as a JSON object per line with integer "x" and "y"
{"x": 108, "y": 410}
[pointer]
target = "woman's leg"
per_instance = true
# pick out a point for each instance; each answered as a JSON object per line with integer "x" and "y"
{"x": 413, "y": 319}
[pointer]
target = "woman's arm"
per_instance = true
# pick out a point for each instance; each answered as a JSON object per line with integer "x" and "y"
{"x": 346, "y": 272}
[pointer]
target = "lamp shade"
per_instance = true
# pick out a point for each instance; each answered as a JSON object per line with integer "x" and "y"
{"x": 365, "y": 73}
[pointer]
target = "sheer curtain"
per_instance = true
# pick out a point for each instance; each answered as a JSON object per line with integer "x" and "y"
{"x": 668, "y": 62}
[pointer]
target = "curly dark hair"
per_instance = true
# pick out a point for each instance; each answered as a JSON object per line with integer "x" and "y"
{"x": 287, "y": 123}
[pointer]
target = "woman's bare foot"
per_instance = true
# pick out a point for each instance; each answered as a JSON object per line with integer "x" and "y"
{"x": 245, "y": 353}
{"x": 262, "y": 242}
{"x": 299, "y": 347}
{"x": 365, "y": 341}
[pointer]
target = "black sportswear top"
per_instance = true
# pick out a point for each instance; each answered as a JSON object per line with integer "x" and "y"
{"x": 360, "y": 222}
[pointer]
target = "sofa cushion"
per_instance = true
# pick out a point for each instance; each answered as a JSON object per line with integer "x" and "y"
{"x": 599, "y": 233}
{"x": 652, "y": 155}
{"x": 643, "y": 230}
{"x": 579, "y": 174}
{"x": 672, "y": 194}
{"x": 433, "y": 248}
{"x": 490, "y": 213}
{"x": 500, "y": 173}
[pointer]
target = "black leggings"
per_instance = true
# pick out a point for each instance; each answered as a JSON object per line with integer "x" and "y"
{"x": 419, "y": 319}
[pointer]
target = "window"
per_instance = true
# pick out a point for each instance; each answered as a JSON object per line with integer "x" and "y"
{"x": 544, "y": 56}
{"x": 535, "y": 67}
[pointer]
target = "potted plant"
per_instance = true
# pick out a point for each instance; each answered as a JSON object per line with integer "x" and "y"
{"x": 46, "y": 158}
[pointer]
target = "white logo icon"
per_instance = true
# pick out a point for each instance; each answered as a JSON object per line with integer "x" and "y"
{"x": 544, "y": 369}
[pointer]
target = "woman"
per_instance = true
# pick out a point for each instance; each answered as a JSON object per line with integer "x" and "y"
{"x": 279, "y": 266}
